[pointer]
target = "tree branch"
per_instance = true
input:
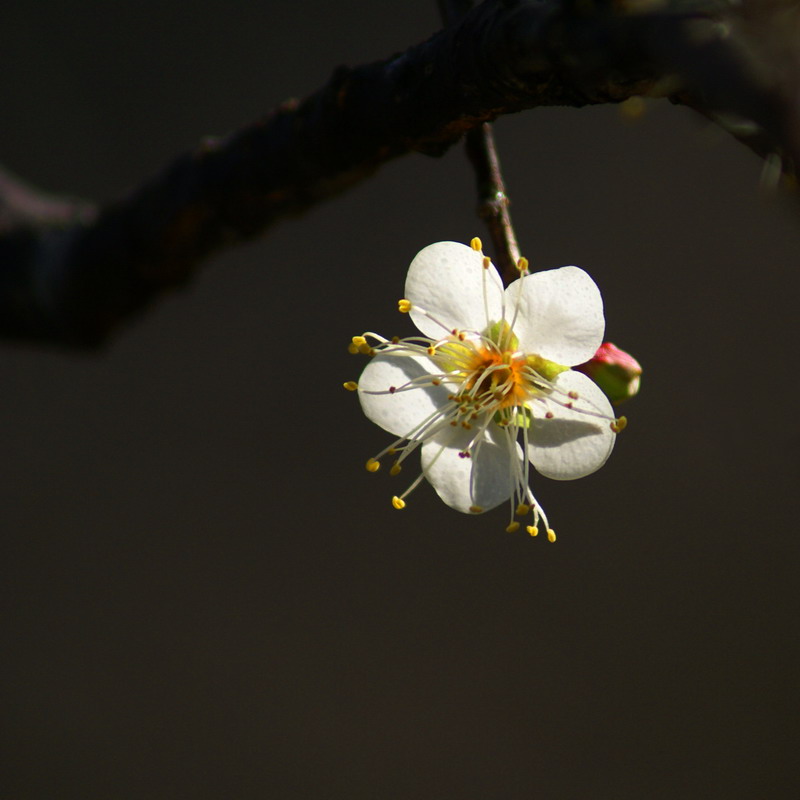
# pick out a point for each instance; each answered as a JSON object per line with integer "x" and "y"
{"x": 70, "y": 274}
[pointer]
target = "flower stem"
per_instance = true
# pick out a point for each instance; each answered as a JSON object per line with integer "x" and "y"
{"x": 493, "y": 201}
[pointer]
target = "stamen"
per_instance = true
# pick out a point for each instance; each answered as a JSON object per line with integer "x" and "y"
{"x": 476, "y": 244}
{"x": 619, "y": 424}
{"x": 488, "y": 384}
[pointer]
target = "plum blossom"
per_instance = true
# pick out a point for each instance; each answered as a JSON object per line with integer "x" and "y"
{"x": 485, "y": 389}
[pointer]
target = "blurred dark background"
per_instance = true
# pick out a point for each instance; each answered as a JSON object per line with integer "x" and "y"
{"x": 205, "y": 595}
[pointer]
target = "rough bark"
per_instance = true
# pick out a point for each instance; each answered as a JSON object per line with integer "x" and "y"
{"x": 70, "y": 273}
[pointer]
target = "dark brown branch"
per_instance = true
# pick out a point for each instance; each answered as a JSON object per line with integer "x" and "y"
{"x": 70, "y": 276}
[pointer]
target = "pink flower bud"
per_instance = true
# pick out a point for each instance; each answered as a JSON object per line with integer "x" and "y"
{"x": 616, "y": 372}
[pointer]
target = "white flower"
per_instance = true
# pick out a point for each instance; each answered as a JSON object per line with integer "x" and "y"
{"x": 486, "y": 388}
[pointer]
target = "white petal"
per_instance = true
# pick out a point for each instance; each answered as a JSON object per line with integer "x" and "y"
{"x": 571, "y": 444}
{"x": 401, "y": 412}
{"x": 447, "y": 279}
{"x": 560, "y": 315}
{"x": 486, "y": 479}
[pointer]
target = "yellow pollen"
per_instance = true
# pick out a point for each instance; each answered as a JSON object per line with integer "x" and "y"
{"x": 431, "y": 350}
{"x": 522, "y": 264}
{"x": 352, "y": 349}
{"x": 513, "y": 527}
{"x": 496, "y": 379}
{"x": 487, "y": 262}
{"x": 532, "y": 530}
{"x": 522, "y": 509}
{"x": 351, "y": 386}
{"x": 476, "y": 509}
{"x": 551, "y": 535}
{"x": 404, "y": 306}
{"x": 359, "y": 341}
{"x": 373, "y": 465}
{"x": 395, "y": 470}
{"x": 476, "y": 244}
{"x": 573, "y": 395}
{"x": 398, "y": 503}
{"x": 619, "y": 424}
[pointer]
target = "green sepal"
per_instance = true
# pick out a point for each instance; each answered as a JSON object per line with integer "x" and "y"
{"x": 549, "y": 370}
{"x": 500, "y": 334}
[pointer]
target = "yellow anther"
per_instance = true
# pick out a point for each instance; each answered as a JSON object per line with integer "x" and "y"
{"x": 522, "y": 264}
{"x": 513, "y": 527}
{"x": 573, "y": 395}
{"x": 476, "y": 244}
{"x": 359, "y": 341}
{"x": 395, "y": 470}
{"x": 532, "y": 530}
{"x": 551, "y": 535}
{"x": 351, "y": 386}
{"x": 523, "y": 509}
{"x": 404, "y": 306}
{"x": 373, "y": 465}
{"x": 619, "y": 424}
{"x": 398, "y": 503}
{"x": 487, "y": 262}
{"x": 476, "y": 509}
{"x": 431, "y": 350}
{"x": 352, "y": 349}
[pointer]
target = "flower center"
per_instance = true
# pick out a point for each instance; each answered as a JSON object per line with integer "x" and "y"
{"x": 497, "y": 379}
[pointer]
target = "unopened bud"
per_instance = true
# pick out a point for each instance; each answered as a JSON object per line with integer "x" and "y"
{"x": 616, "y": 372}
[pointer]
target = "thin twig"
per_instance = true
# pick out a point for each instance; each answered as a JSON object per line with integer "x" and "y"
{"x": 481, "y": 150}
{"x": 493, "y": 200}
